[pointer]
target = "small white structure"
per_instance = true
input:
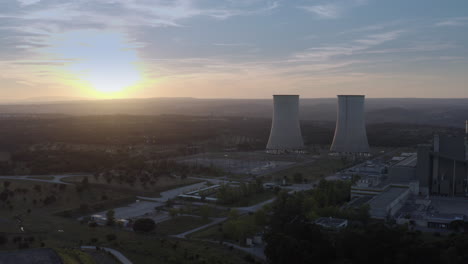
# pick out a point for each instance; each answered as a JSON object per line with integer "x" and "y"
{"x": 350, "y": 133}
{"x": 285, "y": 135}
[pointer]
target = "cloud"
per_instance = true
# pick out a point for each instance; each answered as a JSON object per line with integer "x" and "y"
{"x": 28, "y": 2}
{"x": 321, "y": 54}
{"x": 378, "y": 39}
{"x": 332, "y": 9}
{"x": 324, "y": 11}
{"x": 417, "y": 47}
{"x": 233, "y": 44}
{"x": 456, "y": 21}
{"x": 26, "y": 25}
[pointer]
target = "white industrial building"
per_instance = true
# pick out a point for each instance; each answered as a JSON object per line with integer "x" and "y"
{"x": 285, "y": 135}
{"x": 350, "y": 134}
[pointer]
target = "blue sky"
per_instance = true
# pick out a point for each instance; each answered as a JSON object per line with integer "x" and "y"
{"x": 233, "y": 48}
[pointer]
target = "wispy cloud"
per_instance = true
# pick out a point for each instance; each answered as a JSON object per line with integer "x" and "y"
{"x": 28, "y": 2}
{"x": 332, "y": 9}
{"x": 377, "y": 39}
{"x": 324, "y": 11}
{"x": 233, "y": 44}
{"x": 456, "y": 21}
{"x": 377, "y": 27}
{"x": 416, "y": 47}
{"x": 321, "y": 54}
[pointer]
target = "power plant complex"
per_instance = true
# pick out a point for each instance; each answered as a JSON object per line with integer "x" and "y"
{"x": 350, "y": 134}
{"x": 285, "y": 135}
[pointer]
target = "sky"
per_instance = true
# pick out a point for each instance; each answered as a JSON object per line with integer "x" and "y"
{"x": 233, "y": 48}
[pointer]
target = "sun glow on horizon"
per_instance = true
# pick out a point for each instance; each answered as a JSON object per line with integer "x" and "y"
{"x": 104, "y": 63}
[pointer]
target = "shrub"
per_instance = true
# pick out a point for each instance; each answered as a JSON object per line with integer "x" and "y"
{"x": 144, "y": 225}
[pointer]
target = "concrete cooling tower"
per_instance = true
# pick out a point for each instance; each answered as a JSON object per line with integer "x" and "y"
{"x": 285, "y": 135}
{"x": 350, "y": 133}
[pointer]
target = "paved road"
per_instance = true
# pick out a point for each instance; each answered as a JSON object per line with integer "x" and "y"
{"x": 256, "y": 207}
{"x": 56, "y": 178}
{"x": 114, "y": 252}
{"x": 215, "y": 222}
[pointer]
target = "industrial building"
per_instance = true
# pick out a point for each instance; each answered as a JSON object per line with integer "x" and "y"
{"x": 350, "y": 134}
{"x": 385, "y": 187}
{"x": 442, "y": 167}
{"x": 426, "y": 190}
{"x": 285, "y": 135}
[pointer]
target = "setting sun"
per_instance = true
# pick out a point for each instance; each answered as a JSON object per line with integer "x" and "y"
{"x": 102, "y": 62}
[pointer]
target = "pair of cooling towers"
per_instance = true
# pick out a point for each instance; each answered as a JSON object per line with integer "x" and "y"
{"x": 350, "y": 134}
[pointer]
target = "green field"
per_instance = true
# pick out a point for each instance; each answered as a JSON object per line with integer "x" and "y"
{"x": 74, "y": 256}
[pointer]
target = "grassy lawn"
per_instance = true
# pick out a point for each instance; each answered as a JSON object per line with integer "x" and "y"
{"x": 102, "y": 257}
{"x": 214, "y": 211}
{"x": 212, "y": 233}
{"x": 252, "y": 200}
{"x": 233, "y": 230}
{"x": 180, "y": 224}
{"x": 74, "y": 256}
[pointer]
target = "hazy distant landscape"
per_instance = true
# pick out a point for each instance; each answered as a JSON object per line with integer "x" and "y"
{"x": 439, "y": 112}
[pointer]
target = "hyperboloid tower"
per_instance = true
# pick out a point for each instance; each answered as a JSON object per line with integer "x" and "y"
{"x": 285, "y": 135}
{"x": 350, "y": 133}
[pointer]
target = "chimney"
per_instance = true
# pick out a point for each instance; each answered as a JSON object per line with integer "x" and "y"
{"x": 466, "y": 140}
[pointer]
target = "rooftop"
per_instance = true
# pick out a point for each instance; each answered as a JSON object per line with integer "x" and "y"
{"x": 410, "y": 161}
{"x": 385, "y": 198}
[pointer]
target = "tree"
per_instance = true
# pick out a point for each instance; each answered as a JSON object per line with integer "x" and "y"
{"x": 110, "y": 217}
{"x": 85, "y": 182}
{"x": 3, "y": 239}
{"x": 4, "y": 196}
{"x": 205, "y": 211}
{"x": 298, "y": 178}
{"x": 169, "y": 203}
{"x": 144, "y": 225}
{"x": 37, "y": 188}
{"x": 233, "y": 214}
{"x": 260, "y": 217}
{"x": 173, "y": 212}
{"x": 84, "y": 207}
{"x": 111, "y": 237}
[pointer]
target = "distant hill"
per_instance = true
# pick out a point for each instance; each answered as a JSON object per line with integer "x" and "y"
{"x": 443, "y": 112}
